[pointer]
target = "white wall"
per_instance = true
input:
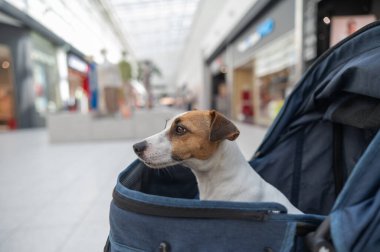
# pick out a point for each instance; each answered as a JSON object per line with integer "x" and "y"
{"x": 190, "y": 71}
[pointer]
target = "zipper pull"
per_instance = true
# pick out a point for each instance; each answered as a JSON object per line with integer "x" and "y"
{"x": 164, "y": 247}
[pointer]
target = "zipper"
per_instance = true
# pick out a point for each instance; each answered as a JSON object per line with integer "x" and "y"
{"x": 303, "y": 227}
{"x": 186, "y": 212}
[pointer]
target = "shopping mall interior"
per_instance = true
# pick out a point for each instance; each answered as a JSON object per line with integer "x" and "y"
{"x": 82, "y": 81}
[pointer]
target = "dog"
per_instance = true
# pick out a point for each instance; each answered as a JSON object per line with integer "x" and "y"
{"x": 204, "y": 142}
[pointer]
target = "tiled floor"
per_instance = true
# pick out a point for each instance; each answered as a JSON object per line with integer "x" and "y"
{"x": 55, "y": 197}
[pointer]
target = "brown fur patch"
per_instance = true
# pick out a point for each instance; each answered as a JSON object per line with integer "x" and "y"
{"x": 195, "y": 142}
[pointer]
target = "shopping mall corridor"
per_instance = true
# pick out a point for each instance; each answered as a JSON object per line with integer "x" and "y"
{"x": 55, "y": 197}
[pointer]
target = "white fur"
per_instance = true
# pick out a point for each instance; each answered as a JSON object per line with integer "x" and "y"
{"x": 157, "y": 154}
{"x": 228, "y": 176}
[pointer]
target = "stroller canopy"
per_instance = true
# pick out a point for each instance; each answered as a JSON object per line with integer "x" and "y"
{"x": 328, "y": 129}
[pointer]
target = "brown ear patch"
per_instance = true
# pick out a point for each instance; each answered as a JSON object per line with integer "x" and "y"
{"x": 222, "y": 128}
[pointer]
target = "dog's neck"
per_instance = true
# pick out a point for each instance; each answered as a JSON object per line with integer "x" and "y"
{"x": 227, "y": 176}
{"x": 224, "y": 175}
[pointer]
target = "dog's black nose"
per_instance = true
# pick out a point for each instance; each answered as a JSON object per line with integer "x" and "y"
{"x": 140, "y": 147}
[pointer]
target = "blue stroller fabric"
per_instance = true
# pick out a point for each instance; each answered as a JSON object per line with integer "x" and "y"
{"x": 338, "y": 99}
{"x": 322, "y": 152}
{"x": 355, "y": 217}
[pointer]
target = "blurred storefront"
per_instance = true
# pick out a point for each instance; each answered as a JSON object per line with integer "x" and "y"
{"x": 260, "y": 62}
{"x": 79, "y": 84}
{"x": 274, "y": 43}
{"x": 17, "y": 101}
{"x": 264, "y": 61}
{"x": 34, "y": 76}
{"x": 273, "y": 77}
{"x": 7, "y": 111}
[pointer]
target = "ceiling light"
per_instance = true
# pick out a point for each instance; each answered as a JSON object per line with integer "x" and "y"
{"x": 5, "y": 64}
{"x": 326, "y": 20}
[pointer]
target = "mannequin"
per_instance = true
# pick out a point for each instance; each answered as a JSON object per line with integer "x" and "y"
{"x": 109, "y": 84}
{"x": 125, "y": 69}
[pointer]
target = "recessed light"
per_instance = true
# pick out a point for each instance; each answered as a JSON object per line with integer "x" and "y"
{"x": 5, "y": 64}
{"x": 326, "y": 20}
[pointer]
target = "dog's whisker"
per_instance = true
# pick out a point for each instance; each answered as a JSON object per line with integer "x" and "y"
{"x": 166, "y": 122}
{"x": 168, "y": 171}
{"x": 159, "y": 172}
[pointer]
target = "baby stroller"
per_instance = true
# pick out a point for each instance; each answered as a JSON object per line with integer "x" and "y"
{"x": 322, "y": 152}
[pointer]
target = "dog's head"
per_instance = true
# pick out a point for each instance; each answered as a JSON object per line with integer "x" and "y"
{"x": 191, "y": 135}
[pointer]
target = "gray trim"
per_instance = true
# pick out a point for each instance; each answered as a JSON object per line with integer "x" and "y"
{"x": 33, "y": 24}
{"x": 5, "y": 19}
{"x": 298, "y": 38}
{"x": 252, "y": 15}
{"x": 283, "y": 16}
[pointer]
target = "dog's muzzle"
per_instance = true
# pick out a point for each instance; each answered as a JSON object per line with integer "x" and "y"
{"x": 140, "y": 147}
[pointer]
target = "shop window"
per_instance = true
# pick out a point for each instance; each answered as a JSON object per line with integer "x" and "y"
{"x": 243, "y": 103}
{"x": 272, "y": 93}
{"x": 45, "y": 78}
{"x": 7, "y": 114}
{"x": 40, "y": 88}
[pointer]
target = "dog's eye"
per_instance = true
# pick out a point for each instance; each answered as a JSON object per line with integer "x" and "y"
{"x": 180, "y": 130}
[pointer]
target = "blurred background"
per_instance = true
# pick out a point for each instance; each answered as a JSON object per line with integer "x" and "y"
{"x": 81, "y": 81}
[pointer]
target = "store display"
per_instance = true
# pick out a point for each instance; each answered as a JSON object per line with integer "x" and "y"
{"x": 7, "y": 120}
{"x": 110, "y": 83}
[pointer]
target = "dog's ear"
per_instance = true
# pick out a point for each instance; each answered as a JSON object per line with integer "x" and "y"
{"x": 222, "y": 128}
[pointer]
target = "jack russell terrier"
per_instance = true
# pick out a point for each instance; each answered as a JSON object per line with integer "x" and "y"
{"x": 204, "y": 142}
